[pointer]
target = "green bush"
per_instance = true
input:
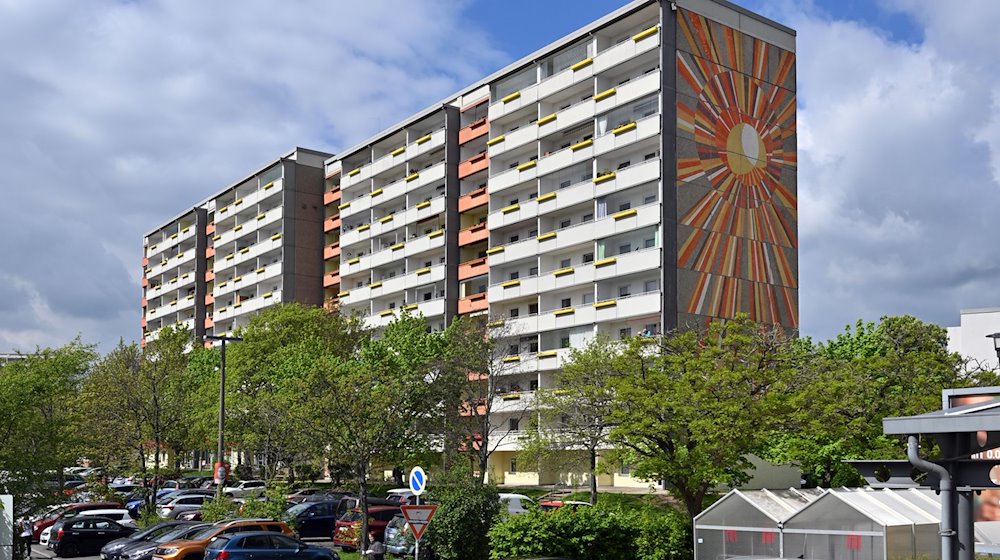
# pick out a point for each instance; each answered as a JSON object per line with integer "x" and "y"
{"x": 593, "y": 533}
{"x": 465, "y": 513}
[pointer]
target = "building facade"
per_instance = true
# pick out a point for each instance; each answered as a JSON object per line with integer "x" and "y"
{"x": 969, "y": 337}
{"x": 253, "y": 244}
{"x": 636, "y": 176}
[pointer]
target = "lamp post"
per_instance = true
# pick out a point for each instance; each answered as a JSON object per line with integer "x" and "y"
{"x": 220, "y": 463}
{"x": 996, "y": 342}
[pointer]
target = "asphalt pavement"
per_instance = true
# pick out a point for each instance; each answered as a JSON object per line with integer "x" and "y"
{"x": 40, "y": 552}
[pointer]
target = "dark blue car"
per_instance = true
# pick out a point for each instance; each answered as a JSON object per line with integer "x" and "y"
{"x": 265, "y": 544}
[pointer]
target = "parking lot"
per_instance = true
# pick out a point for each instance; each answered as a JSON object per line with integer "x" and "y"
{"x": 39, "y": 551}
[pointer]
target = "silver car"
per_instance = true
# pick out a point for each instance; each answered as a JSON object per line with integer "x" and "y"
{"x": 182, "y": 503}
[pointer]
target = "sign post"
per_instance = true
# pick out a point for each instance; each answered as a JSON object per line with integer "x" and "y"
{"x": 418, "y": 516}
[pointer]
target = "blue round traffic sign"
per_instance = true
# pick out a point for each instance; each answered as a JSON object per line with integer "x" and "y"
{"x": 418, "y": 481}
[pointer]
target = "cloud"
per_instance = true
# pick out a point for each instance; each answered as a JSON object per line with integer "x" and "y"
{"x": 119, "y": 115}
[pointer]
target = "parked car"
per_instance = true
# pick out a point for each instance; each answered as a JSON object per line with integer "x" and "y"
{"x": 552, "y": 505}
{"x": 515, "y": 503}
{"x": 245, "y": 489}
{"x": 144, "y": 550}
{"x": 403, "y": 496}
{"x": 118, "y": 514}
{"x": 313, "y": 519}
{"x": 347, "y": 531}
{"x": 301, "y": 494}
{"x": 181, "y": 503}
{"x": 193, "y": 548}
{"x": 110, "y": 551}
{"x": 191, "y": 515}
{"x": 396, "y": 541}
{"x": 65, "y": 511}
{"x": 263, "y": 544}
{"x": 175, "y": 485}
{"x": 85, "y": 534}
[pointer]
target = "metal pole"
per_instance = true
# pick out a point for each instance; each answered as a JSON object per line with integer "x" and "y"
{"x": 966, "y": 525}
{"x": 222, "y": 415}
{"x": 416, "y": 549}
{"x": 947, "y": 531}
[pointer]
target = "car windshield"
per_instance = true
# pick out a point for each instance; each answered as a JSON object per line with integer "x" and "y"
{"x": 351, "y": 516}
{"x": 218, "y": 542}
{"x": 180, "y": 533}
{"x": 203, "y": 534}
{"x": 295, "y": 510}
{"x": 56, "y": 512}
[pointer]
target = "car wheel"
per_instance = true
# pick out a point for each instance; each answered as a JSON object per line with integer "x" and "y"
{"x": 68, "y": 550}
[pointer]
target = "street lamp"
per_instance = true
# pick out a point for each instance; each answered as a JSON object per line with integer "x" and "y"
{"x": 222, "y": 410}
{"x": 996, "y": 342}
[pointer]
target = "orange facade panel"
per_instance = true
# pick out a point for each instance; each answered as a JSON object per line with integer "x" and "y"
{"x": 144, "y": 302}
{"x": 142, "y": 323}
{"x": 331, "y": 251}
{"x": 209, "y": 323}
{"x": 145, "y": 261}
{"x": 331, "y": 279}
{"x": 474, "y": 164}
{"x": 475, "y": 302}
{"x": 209, "y": 251}
{"x": 473, "y": 268}
{"x": 473, "y": 234}
{"x": 331, "y": 223}
{"x": 144, "y": 282}
{"x": 473, "y": 131}
{"x": 210, "y": 228}
{"x": 474, "y": 199}
{"x": 331, "y": 196}
{"x": 209, "y": 299}
{"x": 209, "y": 275}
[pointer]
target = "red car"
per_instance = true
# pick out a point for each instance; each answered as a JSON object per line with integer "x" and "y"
{"x": 347, "y": 531}
{"x": 65, "y": 512}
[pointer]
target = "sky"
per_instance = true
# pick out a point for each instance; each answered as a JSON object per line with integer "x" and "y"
{"x": 116, "y": 115}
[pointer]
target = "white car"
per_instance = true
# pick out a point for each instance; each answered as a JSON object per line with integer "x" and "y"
{"x": 515, "y": 503}
{"x": 402, "y": 495}
{"x": 245, "y": 489}
{"x": 46, "y": 535}
{"x": 121, "y": 515}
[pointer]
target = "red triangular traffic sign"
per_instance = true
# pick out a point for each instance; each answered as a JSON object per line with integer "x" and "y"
{"x": 417, "y": 517}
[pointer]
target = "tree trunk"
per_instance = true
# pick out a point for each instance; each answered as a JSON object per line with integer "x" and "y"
{"x": 363, "y": 489}
{"x": 593, "y": 476}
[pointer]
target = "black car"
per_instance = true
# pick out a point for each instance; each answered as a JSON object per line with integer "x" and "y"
{"x": 85, "y": 534}
{"x": 143, "y": 550}
{"x": 313, "y": 519}
{"x": 111, "y": 550}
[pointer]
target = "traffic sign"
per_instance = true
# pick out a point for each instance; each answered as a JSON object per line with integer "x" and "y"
{"x": 418, "y": 481}
{"x": 417, "y": 517}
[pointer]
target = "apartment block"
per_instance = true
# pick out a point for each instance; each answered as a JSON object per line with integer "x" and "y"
{"x": 636, "y": 176}
{"x": 255, "y": 243}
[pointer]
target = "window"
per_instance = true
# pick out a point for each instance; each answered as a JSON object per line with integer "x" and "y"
{"x": 513, "y": 349}
{"x": 649, "y": 286}
{"x": 588, "y": 298}
{"x": 624, "y": 206}
{"x": 625, "y": 470}
{"x": 588, "y": 218}
{"x": 514, "y": 312}
{"x": 533, "y": 233}
{"x": 649, "y": 156}
{"x": 624, "y": 248}
{"x": 428, "y": 263}
{"x": 532, "y": 309}
{"x": 564, "y": 263}
{"x": 651, "y": 329}
{"x": 512, "y": 201}
{"x": 649, "y": 199}
{"x": 624, "y": 164}
{"x": 588, "y": 258}
{"x": 427, "y": 295}
{"x": 533, "y": 346}
{"x": 533, "y": 385}
{"x": 514, "y": 275}
{"x": 624, "y": 291}
{"x": 625, "y": 333}
{"x": 565, "y": 223}
{"x": 648, "y": 243}
{"x": 533, "y": 271}
{"x": 515, "y": 424}
{"x": 565, "y": 302}
{"x": 257, "y": 541}
{"x": 564, "y": 342}
{"x": 514, "y": 238}
{"x": 513, "y": 466}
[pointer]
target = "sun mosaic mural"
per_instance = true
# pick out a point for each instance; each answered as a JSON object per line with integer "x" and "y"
{"x": 737, "y": 216}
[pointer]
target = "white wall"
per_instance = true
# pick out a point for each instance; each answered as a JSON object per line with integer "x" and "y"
{"x": 969, "y": 338}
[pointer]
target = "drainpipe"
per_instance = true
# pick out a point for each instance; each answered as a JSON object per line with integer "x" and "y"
{"x": 947, "y": 521}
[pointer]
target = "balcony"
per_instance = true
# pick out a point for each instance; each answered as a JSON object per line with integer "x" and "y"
{"x": 515, "y": 139}
{"x": 626, "y": 134}
{"x": 431, "y": 308}
{"x": 331, "y": 251}
{"x": 628, "y": 263}
{"x": 507, "y": 178}
{"x": 474, "y": 199}
{"x": 210, "y": 228}
{"x": 473, "y": 234}
{"x": 513, "y": 289}
{"x": 647, "y": 304}
{"x": 331, "y": 196}
{"x": 331, "y": 279}
{"x": 473, "y": 268}
{"x": 473, "y": 131}
{"x": 331, "y": 224}
{"x": 566, "y": 317}
{"x": 513, "y": 214}
{"x": 474, "y": 164}
{"x": 578, "y": 152}
{"x": 613, "y": 57}
{"x": 425, "y": 143}
{"x": 525, "y": 324}
{"x": 566, "y": 277}
{"x": 637, "y": 174}
{"x": 473, "y": 303}
{"x": 511, "y": 252}
{"x": 248, "y": 279}
{"x": 513, "y": 102}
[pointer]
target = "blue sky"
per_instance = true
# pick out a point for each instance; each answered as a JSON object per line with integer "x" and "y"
{"x": 118, "y": 115}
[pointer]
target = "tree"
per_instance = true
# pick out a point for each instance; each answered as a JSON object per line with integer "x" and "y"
{"x": 478, "y": 359}
{"x": 693, "y": 405}
{"x": 577, "y": 413}
{"x": 373, "y": 404}
{"x": 113, "y": 403}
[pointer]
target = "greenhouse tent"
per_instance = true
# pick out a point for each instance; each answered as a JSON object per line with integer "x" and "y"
{"x": 747, "y": 523}
{"x": 864, "y": 524}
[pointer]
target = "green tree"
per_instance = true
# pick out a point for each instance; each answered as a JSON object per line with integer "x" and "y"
{"x": 577, "y": 413}
{"x": 693, "y": 406}
{"x": 466, "y": 512}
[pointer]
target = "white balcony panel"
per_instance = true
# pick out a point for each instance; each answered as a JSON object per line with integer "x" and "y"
{"x": 582, "y": 315}
{"x": 645, "y": 128}
{"x": 514, "y": 251}
{"x": 332, "y": 168}
{"x": 647, "y": 215}
{"x": 432, "y": 308}
{"x": 357, "y": 206}
{"x": 631, "y": 176}
{"x": 571, "y": 237}
{"x": 581, "y": 275}
{"x": 622, "y": 52}
{"x": 528, "y": 363}
{"x": 630, "y": 91}
{"x": 387, "y": 162}
{"x": 348, "y": 180}
{"x": 388, "y": 286}
{"x": 526, "y": 287}
{"x": 186, "y": 302}
{"x": 563, "y": 80}
{"x": 251, "y": 305}
{"x": 516, "y": 139}
{"x": 635, "y": 306}
{"x": 171, "y": 241}
{"x": 550, "y": 363}
{"x": 270, "y": 271}
{"x": 570, "y": 116}
{"x": 422, "y": 244}
{"x": 526, "y": 210}
{"x": 519, "y": 326}
{"x": 436, "y": 141}
{"x": 414, "y": 214}
{"x": 249, "y": 226}
{"x": 348, "y": 267}
{"x": 354, "y": 236}
{"x": 427, "y": 176}
{"x": 514, "y": 401}
{"x": 412, "y": 280}
{"x": 271, "y": 189}
{"x": 529, "y": 96}
{"x": 511, "y": 177}
{"x": 564, "y": 158}
{"x": 386, "y": 256}
{"x": 636, "y": 261}
{"x": 389, "y": 192}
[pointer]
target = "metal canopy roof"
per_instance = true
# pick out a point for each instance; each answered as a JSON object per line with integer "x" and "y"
{"x": 979, "y": 417}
